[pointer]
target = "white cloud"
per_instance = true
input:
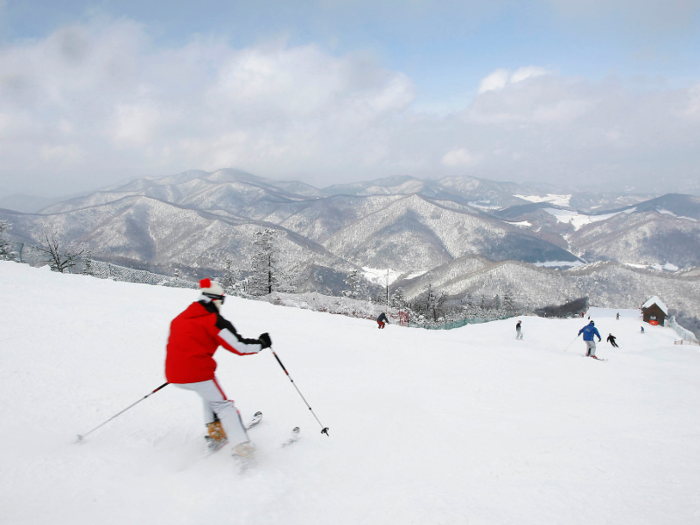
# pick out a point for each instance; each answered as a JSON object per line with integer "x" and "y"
{"x": 66, "y": 156}
{"x": 527, "y": 72}
{"x": 502, "y": 77}
{"x": 495, "y": 81}
{"x": 694, "y": 101}
{"x": 92, "y": 103}
{"x": 135, "y": 125}
{"x": 459, "y": 158}
{"x": 543, "y": 98}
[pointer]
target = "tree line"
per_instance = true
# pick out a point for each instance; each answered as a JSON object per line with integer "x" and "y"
{"x": 266, "y": 274}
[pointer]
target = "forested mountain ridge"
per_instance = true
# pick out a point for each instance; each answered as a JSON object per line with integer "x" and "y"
{"x": 197, "y": 221}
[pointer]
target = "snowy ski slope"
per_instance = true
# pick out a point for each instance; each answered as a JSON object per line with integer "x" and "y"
{"x": 467, "y": 426}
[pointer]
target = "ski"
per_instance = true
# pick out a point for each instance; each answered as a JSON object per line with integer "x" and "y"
{"x": 246, "y": 462}
{"x": 594, "y": 358}
{"x": 257, "y": 417}
{"x": 293, "y": 438}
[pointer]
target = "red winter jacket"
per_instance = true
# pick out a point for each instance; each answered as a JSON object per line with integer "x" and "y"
{"x": 195, "y": 335}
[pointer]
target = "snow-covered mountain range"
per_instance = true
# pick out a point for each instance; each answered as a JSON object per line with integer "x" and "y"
{"x": 462, "y": 233}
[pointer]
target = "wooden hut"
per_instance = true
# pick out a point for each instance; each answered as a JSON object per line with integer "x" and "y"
{"x": 654, "y": 311}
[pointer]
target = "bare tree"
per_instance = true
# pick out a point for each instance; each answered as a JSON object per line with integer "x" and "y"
{"x": 431, "y": 302}
{"x": 59, "y": 257}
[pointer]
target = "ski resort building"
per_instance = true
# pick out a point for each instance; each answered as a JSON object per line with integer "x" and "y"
{"x": 654, "y": 311}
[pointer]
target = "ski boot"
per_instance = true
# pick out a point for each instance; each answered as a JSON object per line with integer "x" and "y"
{"x": 217, "y": 436}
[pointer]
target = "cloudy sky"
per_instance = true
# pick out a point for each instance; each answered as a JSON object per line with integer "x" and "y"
{"x": 591, "y": 92}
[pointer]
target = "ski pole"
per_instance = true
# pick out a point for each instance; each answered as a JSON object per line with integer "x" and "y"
{"x": 80, "y": 437}
{"x": 324, "y": 430}
{"x": 572, "y": 342}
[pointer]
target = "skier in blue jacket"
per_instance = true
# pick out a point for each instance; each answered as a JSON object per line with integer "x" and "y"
{"x": 588, "y": 332}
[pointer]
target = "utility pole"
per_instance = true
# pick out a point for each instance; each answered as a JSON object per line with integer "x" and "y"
{"x": 387, "y": 289}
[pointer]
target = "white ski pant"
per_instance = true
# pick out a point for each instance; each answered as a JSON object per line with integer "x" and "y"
{"x": 215, "y": 402}
{"x": 590, "y": 347}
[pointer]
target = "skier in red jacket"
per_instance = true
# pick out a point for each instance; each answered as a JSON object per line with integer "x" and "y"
{"x": 195, "y": 335}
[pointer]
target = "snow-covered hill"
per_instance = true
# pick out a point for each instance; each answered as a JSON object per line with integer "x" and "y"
{"x": 607, "y": 284}
{"x": 463, "y": 426}
{"x": 654, "y": 232}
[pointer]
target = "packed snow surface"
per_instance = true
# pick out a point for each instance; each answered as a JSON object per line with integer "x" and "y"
{"x": 576, "y": 219}
{"x": 467, "y": 426}
{"x": 557, "y": 200}
{"x": 667, "y": 212}
{"x": 379, "y": 276}
{"x": 521, "y": 224}
{"x": 557, "y": 264}
{"x": 668, "y": 267}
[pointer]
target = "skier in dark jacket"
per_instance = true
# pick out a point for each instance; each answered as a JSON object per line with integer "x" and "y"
{"x": 589, "y": 331}
{"x": 195, "y": 335}
{"x": 519, "y": 330}
{"x": 611, "y": 340}
{"x": 382, "y": 319}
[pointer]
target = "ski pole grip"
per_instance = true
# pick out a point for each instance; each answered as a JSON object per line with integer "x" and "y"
{"x": 280, "y": 362}
{"x": 161, "y": 386}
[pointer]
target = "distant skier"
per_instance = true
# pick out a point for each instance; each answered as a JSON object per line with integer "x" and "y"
{"x": 519, "y": 330}
{"x": 195, "y": 335}
{"x": 382, "y": 319}
{"x": 642, "y": 329}
{"x": 589, "y": 331}
{"x": 617, "y": 317}
{"x": 611, "y": 339}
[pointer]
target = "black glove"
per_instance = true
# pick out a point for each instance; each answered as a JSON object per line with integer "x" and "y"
{"x": 265, "y": 340}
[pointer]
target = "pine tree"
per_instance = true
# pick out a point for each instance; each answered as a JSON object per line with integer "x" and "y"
{"x": 231, "y": 276}
{"x": 87, "y": 266}
{"x": 438, "y": 305}
{"x": 497, "y": 303}
{"x": 264, "y": 277}
{"x": 508, "y": 302}
{"x": 398, "y": 298}
{"x": 6, "y": 253}
{"x": 355, "y": 284}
